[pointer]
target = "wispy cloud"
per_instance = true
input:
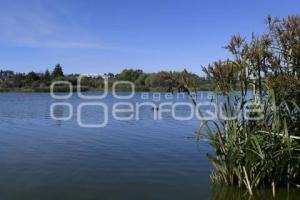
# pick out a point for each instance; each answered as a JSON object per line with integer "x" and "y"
{"x": 60, "y": 44}
{"x": 37, "y": 25}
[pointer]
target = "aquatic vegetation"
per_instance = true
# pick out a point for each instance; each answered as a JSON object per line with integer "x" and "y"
{"x": 261, "y": 153}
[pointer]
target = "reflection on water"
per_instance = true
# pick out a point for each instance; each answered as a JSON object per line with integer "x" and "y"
{"x": 235, "y": 193}
{"x": 58, "y": 113}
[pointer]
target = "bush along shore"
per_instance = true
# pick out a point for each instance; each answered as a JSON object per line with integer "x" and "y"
{"x": 265, "y": 70}
{"x": 164, "y": 81}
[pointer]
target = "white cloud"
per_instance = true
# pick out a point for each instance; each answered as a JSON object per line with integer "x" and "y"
{"x": 60, "y": 44}
{"x": 38, "y": 25}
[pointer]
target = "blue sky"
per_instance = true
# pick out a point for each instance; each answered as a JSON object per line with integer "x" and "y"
{"x": 108, "y": 36}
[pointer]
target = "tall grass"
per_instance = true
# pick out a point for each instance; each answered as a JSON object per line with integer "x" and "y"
{"x": 257, "y": 154}
{"x": 262, "y": 153}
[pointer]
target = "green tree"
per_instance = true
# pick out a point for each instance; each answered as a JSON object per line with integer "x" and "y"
{"x": 130, "y": 75}
{"x": 57, "y": 72}
{"x": 32, "y": 77}
{"x": 46, "y": 78}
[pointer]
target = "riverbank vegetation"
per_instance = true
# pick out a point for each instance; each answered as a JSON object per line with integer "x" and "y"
{"x": 263, "y": 70}
{"x": 164, "y": 81}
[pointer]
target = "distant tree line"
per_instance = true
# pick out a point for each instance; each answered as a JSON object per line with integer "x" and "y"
{"x": 168, "y": 81}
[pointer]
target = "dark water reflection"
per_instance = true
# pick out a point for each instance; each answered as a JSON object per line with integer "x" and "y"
{"x": 234, "y": 193}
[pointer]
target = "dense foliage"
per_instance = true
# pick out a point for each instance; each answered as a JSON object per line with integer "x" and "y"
{"x": 161, "y": 81}
{"x": 264, "y": 70}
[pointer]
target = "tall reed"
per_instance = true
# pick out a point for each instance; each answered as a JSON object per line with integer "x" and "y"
{"x": 261, "y": 153}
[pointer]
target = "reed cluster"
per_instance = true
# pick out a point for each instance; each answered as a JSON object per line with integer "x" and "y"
{"x": 265, "y": 70}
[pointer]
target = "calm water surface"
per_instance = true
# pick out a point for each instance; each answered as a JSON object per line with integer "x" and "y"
{"x": 41, "y": 158}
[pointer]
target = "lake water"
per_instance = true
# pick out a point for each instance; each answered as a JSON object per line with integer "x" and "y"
{"x": 42, "y": 158}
